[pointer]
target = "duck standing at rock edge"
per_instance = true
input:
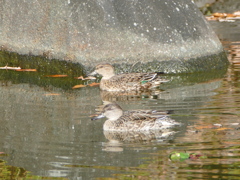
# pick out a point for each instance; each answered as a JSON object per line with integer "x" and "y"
{"x": 126, "y": 82}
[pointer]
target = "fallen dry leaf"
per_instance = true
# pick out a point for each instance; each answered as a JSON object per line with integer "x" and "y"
{"x": 219, "y": 14}
{"x": 211, "y": 18}
{"x": 231, "y": 142}
{"x": 10, "y": 68}
{"x": 29, "y": 70}
{"x": 86, "y": 78}
{"x": 234, "y": 124}
{"x": 205, "y": 127}
{"x": 94, "y": 84}
{"x": 231, "y": 15}
{"x": 57, "y": 75}
{"x": 219, "y": 125}
{"x": 221, "y": 129}
{"x": 224, "y": 17}
{"x": 94, "y": 115}
{"x": 52, "y": 94}
{"x": 90, "y": 77}
{"x": 237, "y": 13}
{"x": 80, "y": 77}
{"x": 78, "y": 86}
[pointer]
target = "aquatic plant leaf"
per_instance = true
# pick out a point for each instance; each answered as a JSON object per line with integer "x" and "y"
{"x": 179, "y": 156}
{"x": 194, "y": 156}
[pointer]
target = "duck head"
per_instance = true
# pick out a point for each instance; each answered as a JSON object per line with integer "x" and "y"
{"x": 106, "y": 70}
{"x": 111, "y": 111}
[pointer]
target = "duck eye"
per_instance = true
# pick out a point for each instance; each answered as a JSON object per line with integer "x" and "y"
{"x": 107, "y": 106}
{"x": 100, "y": 67}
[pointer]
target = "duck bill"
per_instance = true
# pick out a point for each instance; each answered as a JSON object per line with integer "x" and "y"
{"x": 92, "y": 73}
{"x": 98, "y": 117}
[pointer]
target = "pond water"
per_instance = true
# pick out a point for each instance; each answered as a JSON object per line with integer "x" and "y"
{"x": 47, "y": 130}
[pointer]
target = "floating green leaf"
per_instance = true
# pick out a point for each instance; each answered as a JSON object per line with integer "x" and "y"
{"x": 181, "y": 156}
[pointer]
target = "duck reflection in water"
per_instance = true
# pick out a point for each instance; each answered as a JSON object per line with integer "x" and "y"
{"x": 134, "y": 126}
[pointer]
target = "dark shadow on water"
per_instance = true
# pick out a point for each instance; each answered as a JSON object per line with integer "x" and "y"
{"x": 44, "y": 68}
{"x": 47, "y": 67}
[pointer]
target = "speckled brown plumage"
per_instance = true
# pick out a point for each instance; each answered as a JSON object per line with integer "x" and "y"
{"x": 126, "y": 82}
{"x": 136, "y": 120}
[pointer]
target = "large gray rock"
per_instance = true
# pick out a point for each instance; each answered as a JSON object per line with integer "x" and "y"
{"x": 159, "y": 35}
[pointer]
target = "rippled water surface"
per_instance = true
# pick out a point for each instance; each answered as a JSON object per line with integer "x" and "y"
{"x": 48, "y": 131}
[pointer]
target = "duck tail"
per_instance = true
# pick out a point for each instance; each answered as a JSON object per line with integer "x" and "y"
{"x": 160, "y": 73}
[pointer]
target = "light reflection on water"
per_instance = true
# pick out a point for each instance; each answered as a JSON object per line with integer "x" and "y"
{"x": 49, "y": 132}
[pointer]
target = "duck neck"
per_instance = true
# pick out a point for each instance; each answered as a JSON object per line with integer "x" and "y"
{"x": 108, "y": 75}
{"x": 114, "y": 116}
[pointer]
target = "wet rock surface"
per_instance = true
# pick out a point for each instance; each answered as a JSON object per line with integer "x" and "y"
{"x": 174, "y": 33}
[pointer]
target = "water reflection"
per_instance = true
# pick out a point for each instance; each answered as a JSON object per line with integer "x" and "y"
{"x": 47, "y": 130}
{"x": 116, "y": 139}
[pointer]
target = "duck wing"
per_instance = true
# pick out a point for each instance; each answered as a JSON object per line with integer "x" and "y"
{"x": 138, "y": 115}
{"x": 151, "y": 112}
{"x": 136, "y": 77}
{"x": 138, "y": 120}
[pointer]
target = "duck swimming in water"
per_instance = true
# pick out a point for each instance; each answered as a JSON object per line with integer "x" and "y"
{"x": 136, "y": 120}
